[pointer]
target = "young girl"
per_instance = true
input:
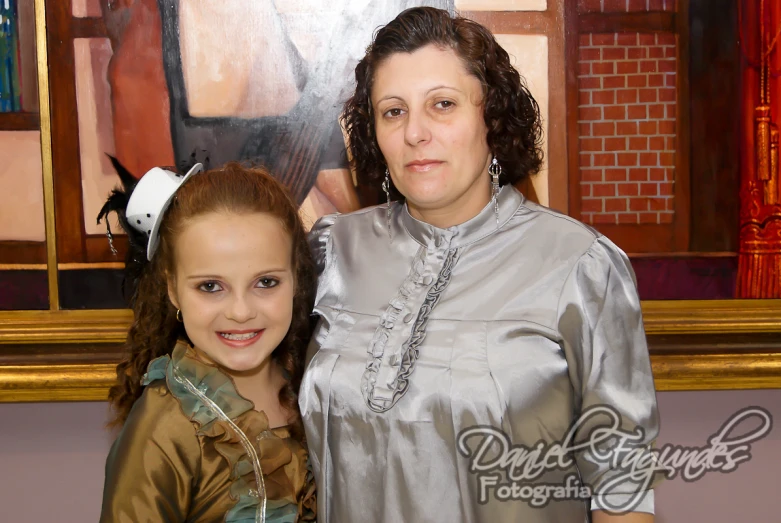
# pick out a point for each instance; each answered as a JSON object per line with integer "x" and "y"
{"x": 206, "y": 396}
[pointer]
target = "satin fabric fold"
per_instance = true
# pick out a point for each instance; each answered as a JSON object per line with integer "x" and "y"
{"x": 539, "y": 321}
{"x": 178, "y": 459}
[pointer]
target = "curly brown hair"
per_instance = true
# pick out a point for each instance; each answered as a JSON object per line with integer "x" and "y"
{"x": 511, "y": 114}
{"x": 155, "y": 330}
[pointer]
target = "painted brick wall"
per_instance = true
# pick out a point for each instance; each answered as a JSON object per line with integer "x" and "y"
{"x": 612, "y": 6}
{"x": 627, "y": 120}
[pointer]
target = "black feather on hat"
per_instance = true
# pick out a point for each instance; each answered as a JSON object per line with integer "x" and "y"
{"x": 136, "y": 259}
{"x": 138, "y": 240}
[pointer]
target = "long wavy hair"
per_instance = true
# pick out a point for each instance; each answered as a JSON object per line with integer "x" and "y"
{"x": 155, "y": 329}
{"x": 511, "y": 114}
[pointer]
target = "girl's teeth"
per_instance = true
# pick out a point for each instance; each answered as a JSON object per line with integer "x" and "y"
{"x": 238, "y": 337}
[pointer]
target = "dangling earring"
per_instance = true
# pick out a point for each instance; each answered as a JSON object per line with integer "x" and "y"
{"x": 495, "y": 170}
{"x": 179, "y": 316}
{"x": 386, "y": 188}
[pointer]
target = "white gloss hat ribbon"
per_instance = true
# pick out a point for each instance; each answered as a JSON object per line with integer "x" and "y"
{"x": 151, "y": 196}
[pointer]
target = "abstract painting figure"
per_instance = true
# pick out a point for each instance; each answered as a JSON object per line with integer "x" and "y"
{"x": 262, "y": 81}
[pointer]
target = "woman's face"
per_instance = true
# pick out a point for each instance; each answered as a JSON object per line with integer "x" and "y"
{"x": 234, "y": 284}
{"x": 428, "y": 116}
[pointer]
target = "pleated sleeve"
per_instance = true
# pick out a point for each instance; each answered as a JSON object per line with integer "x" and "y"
{"x": 601, "y": 325}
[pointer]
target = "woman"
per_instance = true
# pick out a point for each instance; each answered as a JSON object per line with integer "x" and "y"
{"x": 465, "y": 314}
{"x": 206, "y": 394}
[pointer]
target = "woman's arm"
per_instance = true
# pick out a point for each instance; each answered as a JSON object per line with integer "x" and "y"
{"x": 601, "y": 325}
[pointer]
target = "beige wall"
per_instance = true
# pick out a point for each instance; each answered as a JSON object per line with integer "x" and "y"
{"x": 52, "y": 458}
{"x": 501, "y": 5}
{"x": 85, "y": 8}
{"x": 529, "y": 55}
{"x": 21, "y": 186}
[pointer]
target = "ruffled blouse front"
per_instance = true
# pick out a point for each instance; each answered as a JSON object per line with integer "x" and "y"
{"x": 520, "y": 322}
{"x": 192, "y": 449}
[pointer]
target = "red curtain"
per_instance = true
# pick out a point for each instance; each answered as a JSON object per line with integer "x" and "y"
{"x": 759, "y": 265}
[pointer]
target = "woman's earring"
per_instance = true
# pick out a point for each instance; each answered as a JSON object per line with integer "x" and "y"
{"x": 179, "y": 316}
{"x": 386, "y": 188}
{"x": 495, "y": 170}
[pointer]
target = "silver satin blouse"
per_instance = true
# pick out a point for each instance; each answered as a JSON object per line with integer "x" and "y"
{"x": 434, "y": 344}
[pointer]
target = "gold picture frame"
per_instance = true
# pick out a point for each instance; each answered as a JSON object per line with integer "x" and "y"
{"x": 71, "y": 355}
{"x": 695, "y": 345}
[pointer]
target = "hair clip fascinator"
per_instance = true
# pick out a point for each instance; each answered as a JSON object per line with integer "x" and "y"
{"x": 150, "y": 199}
{"x": 140, "y": 204}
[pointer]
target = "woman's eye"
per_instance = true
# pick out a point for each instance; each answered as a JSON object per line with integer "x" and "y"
{"x": 267, "y": 283}
{"x": 210, "y": 286}
{"x": 445, "y": 104}
{"x": 393, "y": 113}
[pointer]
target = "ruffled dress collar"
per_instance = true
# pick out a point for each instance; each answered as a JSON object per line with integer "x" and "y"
{"x": 241, "y": 435}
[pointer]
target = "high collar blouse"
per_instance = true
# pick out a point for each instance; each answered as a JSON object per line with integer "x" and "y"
{"x": 520, "y": 322}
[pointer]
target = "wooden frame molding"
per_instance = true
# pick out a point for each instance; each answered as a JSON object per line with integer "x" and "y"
{"x": 108, "y": 327}
{"x": 695, "y": 345}
{"x": 22, "y": 252}
{"x": 680, "y": 372}
{"x": 672, "y": 372}
{"x": 639, "y": 22}
{"x": 20, "y": 121}
{"x": 76, "y": 382}
{"x": 670, "y": 317}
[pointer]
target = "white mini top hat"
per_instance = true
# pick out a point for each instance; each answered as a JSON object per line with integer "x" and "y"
{"x": 151, "y": 196}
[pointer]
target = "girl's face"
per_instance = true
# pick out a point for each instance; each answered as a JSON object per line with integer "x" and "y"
{"x": 234, "y": 283}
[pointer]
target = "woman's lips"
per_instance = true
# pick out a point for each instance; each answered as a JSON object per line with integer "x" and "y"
{"x": 240, "y": 339}
{"x": 421, "y": 166}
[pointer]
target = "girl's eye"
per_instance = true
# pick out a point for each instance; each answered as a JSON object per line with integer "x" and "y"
{"x": 393, "y": 113}
{"x": 210, "y": 286}
{"x": 267, "y": 283}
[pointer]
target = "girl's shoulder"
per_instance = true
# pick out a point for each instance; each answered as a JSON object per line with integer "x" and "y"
{"x": 156, "y": 421}
{"x": 158, "y": 407}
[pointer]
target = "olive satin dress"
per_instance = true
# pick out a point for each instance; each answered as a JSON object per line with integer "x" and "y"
{"x": 194, "y": 450}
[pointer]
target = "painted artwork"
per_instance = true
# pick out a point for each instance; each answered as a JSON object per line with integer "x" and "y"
{"x": 22, "y": 236}
{"x": 214, "y": 81}
{"x": 21, "y": 218}
{"x": 10, "y": 81}
{"x": 18, "y": 82}
{"x": 648, "y": 114}
{"x": 677, "y": 146}
{"x": 167, "y": 84}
